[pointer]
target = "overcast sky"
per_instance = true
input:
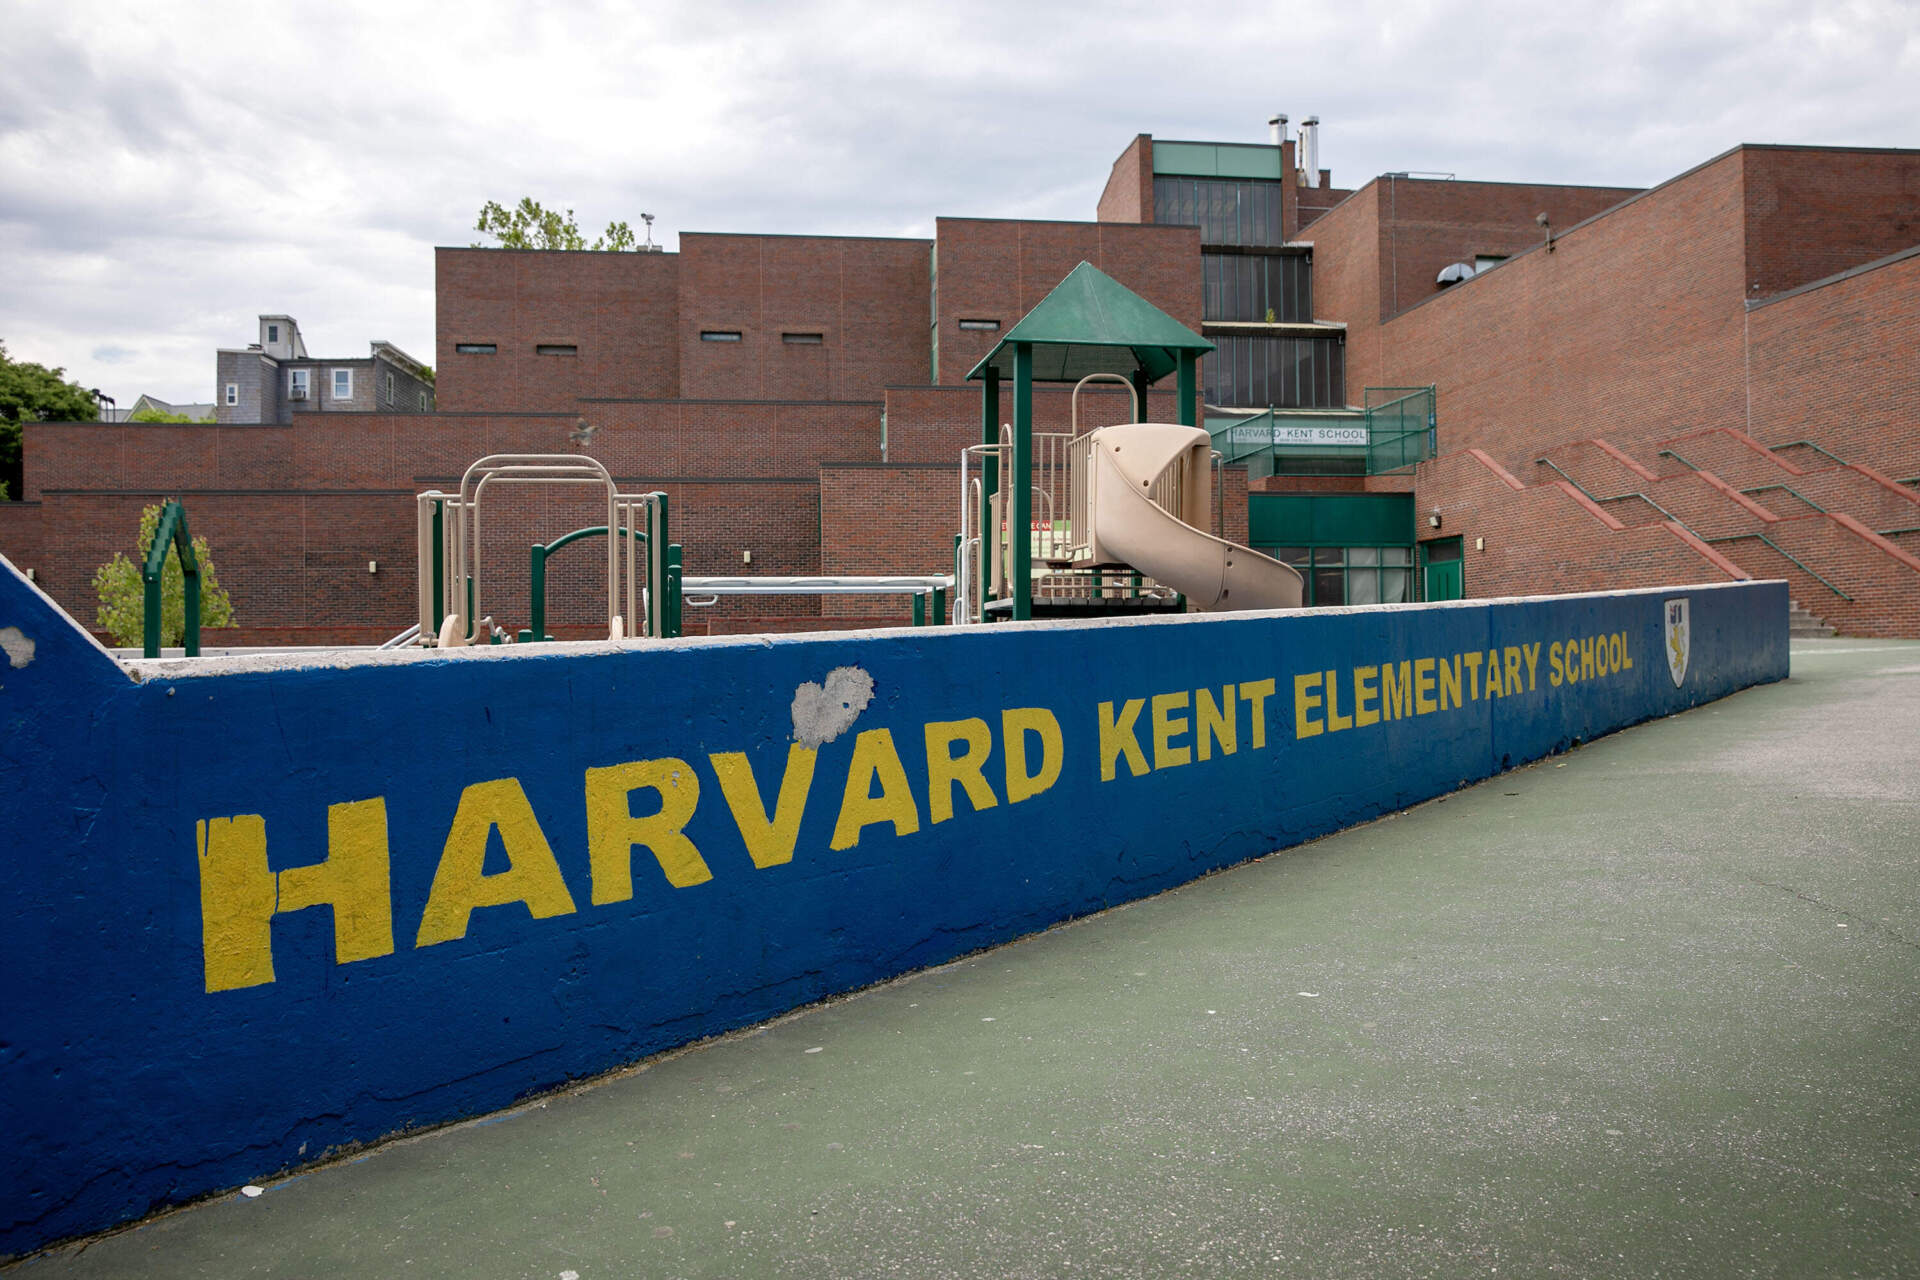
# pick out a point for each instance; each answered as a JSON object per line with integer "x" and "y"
{"x": 170, "y": 170}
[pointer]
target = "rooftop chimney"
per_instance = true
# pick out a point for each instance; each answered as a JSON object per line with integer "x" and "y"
{"x": 1309, "y": 152}
{"x": 1277, "y": 130}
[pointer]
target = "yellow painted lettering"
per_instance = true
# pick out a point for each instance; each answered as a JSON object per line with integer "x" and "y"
{"x": 613, "y": 832}
{"x": 944, "y": 771}
{"x": 874, "y": 757}
{"x": 353, "y": 881}
{"x": 1494, "y": 687}
{"x": 237, "y": 898}
{"x": 1512, "y": 658}
{"x": 1015, "y": 724}
{"x": 1256, "y": 692}
{"x": 1473, "y": 671}
{"x": 1423, "y": 703}
{"x": 1214, "y": 722}
{"x": 460, "y": 883}
{"x": 1533, "y": 664}
{"x": 1587, "y": 671}
{"x": 1554, "y": 667}
{"x": 1335, "y": 721}
{"x": 1305, "y": 698}
{"x": 1626, "y": 657}
{"x": 1450, "y": 682}
{"x": 1396, "y": 690}
{"x": 1364, "y": 693}
{"x": 1117, "y": 739}
{"x": 1166, "y": 727}
{"x": 769, "y": 841}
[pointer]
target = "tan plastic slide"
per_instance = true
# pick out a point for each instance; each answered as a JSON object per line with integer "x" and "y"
{"x": 1136, "y": 468}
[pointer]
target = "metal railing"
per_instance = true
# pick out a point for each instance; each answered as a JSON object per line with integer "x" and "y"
{"x": 170, "y": 535}
{"x": 1785, "y": 488}
{"x": 451, "y": 584}
{"x": 1808, "y": 444}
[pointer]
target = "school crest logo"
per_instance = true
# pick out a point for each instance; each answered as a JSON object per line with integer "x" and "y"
{"x": 1679, "y": 640}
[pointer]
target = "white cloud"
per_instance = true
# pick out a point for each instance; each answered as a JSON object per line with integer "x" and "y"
{"x": 169, "y": 172}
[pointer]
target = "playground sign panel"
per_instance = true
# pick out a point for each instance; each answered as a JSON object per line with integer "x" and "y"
{"x": 276, "y": 907}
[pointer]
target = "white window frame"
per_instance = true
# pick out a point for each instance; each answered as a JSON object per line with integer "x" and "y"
{"x": 233, "y": 394}
{"x": 338, "y": 374}
{"x": 300, "y": 380}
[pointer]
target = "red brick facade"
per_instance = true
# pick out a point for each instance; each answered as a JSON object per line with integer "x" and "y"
{"x": 1623, "y": 407}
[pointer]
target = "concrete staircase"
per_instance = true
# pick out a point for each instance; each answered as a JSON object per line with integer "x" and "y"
{"x": 1846, "y": 537}
{"x": 1802, "y": 625}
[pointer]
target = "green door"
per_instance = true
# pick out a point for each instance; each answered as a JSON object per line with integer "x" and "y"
{"x": 1445, "y": 579}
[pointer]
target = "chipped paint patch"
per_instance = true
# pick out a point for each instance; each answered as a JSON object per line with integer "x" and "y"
{"x": 821, "y": 714}
{"x": 18, "y": 645}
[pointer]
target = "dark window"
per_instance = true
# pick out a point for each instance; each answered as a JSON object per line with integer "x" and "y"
{"x": 273, "y": 333}
{"x": 802, "y": 339}
{"x": 1227, "y": 210}
{"x": 988, "y": 325}
{"x": 1258, "y": 287}
{"x": 1351, "y": 575}
{"x": 719, "y": 335}
{"x": 556, "y": 349}
{"x": 1288, "y": 373}
{"x": 474, "y": 348}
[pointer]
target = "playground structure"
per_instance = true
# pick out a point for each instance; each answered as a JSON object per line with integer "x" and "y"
{"x": 646, "y": 588}
{"x": 1110, "y": 521}
{"x": 1121, "y": 523}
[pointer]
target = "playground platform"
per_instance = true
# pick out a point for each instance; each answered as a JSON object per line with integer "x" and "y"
{"x": 1650, "y": 1007}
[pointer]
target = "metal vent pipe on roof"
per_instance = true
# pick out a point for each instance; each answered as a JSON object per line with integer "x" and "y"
{"x": 1310, "y": 146}
{"x": 1277, "y": 130}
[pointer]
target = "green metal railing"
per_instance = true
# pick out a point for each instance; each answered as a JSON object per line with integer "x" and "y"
{"x": 668, "y": 602}
{"x": 170, "y": 535}
{"x": 1669, "y": 453}
{"x": 1394, "y": 430}
{"x": 1788, "y": 489}
{"x": 1802, "y": 565}
{"x": 1808, "y": 444}
{"x": 1734, "y": 537}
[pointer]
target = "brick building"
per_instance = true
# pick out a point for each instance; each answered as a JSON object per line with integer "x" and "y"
{"x": 1708, "y": 379}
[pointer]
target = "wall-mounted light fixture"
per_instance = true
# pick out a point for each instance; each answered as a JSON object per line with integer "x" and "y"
{"x": 1479, "y": 544}
{"x": 373, "y": 566}
{"x": 1433, "y": 518}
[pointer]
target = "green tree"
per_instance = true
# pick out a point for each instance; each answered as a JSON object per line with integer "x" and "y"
{"x": 32, "y": 392}
{"x": 161, "y": 415}
{"x": 530, "y": 225}
{"x": 123, "y": 598}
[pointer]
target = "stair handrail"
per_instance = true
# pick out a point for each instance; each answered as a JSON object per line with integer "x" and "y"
{"x": 1808, "y": 444}
{"x": 1787, "y": 488}
{"x": 1804, "y": 567}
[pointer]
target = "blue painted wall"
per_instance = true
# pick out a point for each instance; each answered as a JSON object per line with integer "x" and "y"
{"x": 127, "y": 1083}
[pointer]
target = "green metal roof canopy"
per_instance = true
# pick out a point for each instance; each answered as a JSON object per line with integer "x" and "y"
{"x": 1091, "y": 323}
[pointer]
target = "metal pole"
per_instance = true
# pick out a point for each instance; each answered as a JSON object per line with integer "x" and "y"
{"x": 1185, "y": 389}
{"x": 673, "y": 589}
{"x": 1140, "y": 394}
{"x": 1020, "y": 508}
{"x": 919, "y": 610}
{"x": 537, "y": 593}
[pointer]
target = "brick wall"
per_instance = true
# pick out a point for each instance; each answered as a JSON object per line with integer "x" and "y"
{"x": 865, "y": 298}
{"x": 1630, "y": 328}
{"x": 620, "y": 310}
{"x": 1000, "y": 270}
{"x": 1836, "y": 364}
{"x": 1545, "y": 539}
{"x": 20, "y": 536}
{"x": 933, "y": 424}
{"x": 1815, "y": 212}
{"x": 1128, "y": 195}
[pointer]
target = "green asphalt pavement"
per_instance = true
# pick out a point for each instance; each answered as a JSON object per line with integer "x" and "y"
{"x": 1648, "y": 1009}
